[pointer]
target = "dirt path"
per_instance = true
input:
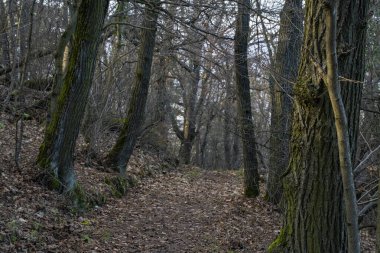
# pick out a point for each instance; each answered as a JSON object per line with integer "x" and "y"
{"x": 191, "y": 211}
{"x": 188, "y": 210}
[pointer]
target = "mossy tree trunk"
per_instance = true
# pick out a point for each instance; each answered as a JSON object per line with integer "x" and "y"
{"x": 121, "y": 152}
{"x": 313, "y": 191}
{"x": 57, "y": 149}
{"x": 345, "y": 161}
{"x": 284, "y": 75}
{"x": 62, "y": 57}
{"x": 251, "y": 175}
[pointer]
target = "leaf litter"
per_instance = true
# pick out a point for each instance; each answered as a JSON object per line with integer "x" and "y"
{"x": 183, "y": 209}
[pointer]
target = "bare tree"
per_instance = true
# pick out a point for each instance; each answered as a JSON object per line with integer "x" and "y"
{"x": 119, "y": 155}
{"x": 251, "y": 175}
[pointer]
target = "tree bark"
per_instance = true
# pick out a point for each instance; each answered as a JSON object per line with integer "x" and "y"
{"x": 341, "y": 126}
{"x": 281, "y": 82}
{"x": 61, "y": 58}
{"x": 378, "y": 218}
{"x": 204, "y": 140}
{"x": 20, "y": 98}
{"x": 57, "y": 149}
{"x": 189, "y": 125}
{"x": 227, "y": 125}
{"x": 313, "y": 190}
{"x": 4, "y": 42}
{"x": 251, "y": 175}
{"x": 121, "y": 152}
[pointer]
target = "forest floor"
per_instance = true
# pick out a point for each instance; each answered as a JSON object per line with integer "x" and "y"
{"x": 182, "y": 209}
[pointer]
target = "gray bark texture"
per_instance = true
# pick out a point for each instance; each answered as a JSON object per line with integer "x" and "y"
{"x": 5, "y": 60}
{"x": 57, "y": 150}
{"x": 313, "y": 188}
{"x": 251, "y": 175}
{"x": 121, "y": 152}
{"x": 61, "y": 59}
{"x": 282, "y": 79}
{"x": 341, "y": 126}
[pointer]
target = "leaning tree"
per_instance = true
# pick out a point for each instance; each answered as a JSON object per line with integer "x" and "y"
{"x": 121, "y": 152}
{"x": 56, "y": 154}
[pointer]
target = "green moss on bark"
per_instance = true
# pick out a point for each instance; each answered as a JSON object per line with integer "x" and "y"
{"x": 52, "y": 127}
{"x": 276, "y": 245}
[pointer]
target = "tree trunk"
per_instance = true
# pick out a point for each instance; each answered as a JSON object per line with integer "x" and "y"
{"x": 236, "y": 153}
{"x": 313, "y": 191}
{"x": 227, "y": 125}
{"x": 281, "y": 81}
{"x": 121, "y": 152}
{"x": 185, "y": 151}
{"x": 4, "y": 42}
{"x": 57, "y": 149}
{"x": 20, "y": 97}
{"x": 61, "y": 59}
{"x": 378, "y": 217}
{"x": 251, "y": 175}
{"x": 341, "y": 126}
{"x": 189, "y": 125}
{"x": 157, "y": 134}
{"x": 205, "y": 138}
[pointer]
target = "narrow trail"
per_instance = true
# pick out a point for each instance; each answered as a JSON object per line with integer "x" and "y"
{"x": 185, "y": 210}
{"x": 190, "y": 211}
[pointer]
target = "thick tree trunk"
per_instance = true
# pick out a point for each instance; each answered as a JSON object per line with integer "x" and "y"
{"x": 61, "y": 59}
{"x": 251, "y": 175}
{"x": 313, "y": 191}
{"x": 57, "y": 149}
{"x": 285, "y": 73}
{"x": 341, "y": 126}
{"x": 185, "y": 151}
{"x": 121, "y": 152}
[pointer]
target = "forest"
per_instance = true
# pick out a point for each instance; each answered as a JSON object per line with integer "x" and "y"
{"x": 190, "y": 126}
